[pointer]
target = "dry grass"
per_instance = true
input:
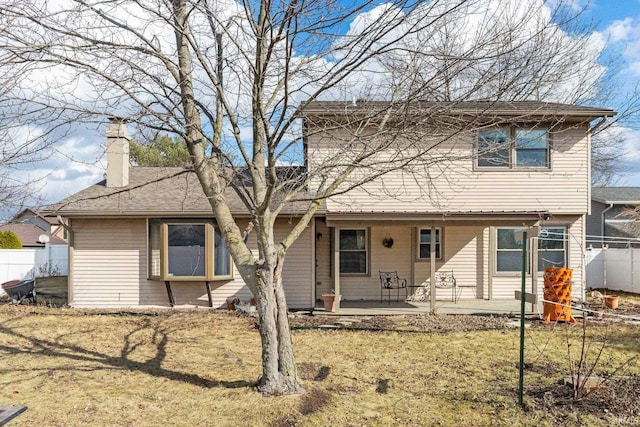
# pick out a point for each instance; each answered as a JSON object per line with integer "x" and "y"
{"x": 198, "y": 368}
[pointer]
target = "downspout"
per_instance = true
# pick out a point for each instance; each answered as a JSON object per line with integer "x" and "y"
{"x": 70, "y": 257}
{"x": 602, "y": 220}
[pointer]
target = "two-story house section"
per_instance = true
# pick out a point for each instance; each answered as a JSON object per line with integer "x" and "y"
{"x": 435, "y": 188}
{"x": 487, "y": 169}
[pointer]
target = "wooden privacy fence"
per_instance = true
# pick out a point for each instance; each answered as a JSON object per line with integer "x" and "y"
{"x": 614, "y": 268}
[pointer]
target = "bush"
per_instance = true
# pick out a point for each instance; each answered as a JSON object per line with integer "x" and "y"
{"x": 9, "y": 240}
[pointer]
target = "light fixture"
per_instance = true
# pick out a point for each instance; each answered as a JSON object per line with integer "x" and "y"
{"x": 318, "y": 236}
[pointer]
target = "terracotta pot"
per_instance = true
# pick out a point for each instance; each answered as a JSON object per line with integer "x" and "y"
{"x": 611, "y": 301}
{"x": 329, "y": 301}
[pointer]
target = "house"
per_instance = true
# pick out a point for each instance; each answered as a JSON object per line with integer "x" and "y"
{"x": 49, "y": 225}
{"x": 609, "y": 216}
{"x": 145, "y": 236}
{"x": 32, "y": 236}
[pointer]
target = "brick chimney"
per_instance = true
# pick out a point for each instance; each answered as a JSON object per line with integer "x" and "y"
{"x": 117, "y": 153}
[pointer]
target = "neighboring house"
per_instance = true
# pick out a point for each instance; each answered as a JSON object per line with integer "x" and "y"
{"x": 49, "y": 224}
{"x": 145, "y": 235}
{"x": 609, "y": 213}
{"x": 32, "y": 236}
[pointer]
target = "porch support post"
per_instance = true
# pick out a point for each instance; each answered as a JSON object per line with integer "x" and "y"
{"x": 492, "y": 263}
{"x": 432, "y": 263}
{"x": 413, "y": 256}
{"x": 336, "y": 266}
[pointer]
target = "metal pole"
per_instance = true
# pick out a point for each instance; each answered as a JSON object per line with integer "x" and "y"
{"x": 522, "y": 306}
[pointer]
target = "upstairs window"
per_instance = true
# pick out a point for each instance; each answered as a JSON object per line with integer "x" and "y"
{"x": 493, "y": 148}
{"x": 513, "y": 148}
{"x": 187, "y": 250}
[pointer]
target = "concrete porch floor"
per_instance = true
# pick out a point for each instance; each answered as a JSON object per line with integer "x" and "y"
{"x": 475, "y": 306}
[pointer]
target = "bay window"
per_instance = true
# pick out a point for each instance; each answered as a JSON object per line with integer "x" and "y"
{"x": 187, "y": 250}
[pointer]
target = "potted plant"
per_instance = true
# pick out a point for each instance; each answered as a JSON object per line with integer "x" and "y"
{"x": 611, "y": 301}
{"x": 329, "y": 300}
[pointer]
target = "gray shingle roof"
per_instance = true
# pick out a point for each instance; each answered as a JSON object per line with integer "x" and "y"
{"x": 519, "y": 109}
{"x": 29, "y": 234}
{"x": 152, "y": 191}
{"x": 616, "y": 195}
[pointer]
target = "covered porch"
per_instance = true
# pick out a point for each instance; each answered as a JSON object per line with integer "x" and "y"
{"x": 353, "y": 249}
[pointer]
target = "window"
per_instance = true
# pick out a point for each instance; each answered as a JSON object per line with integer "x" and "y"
{"x": 353, "y": 251}
{"x": 493, "y": 148}
{"x": 551, "y": 249}
{"x": 187, "y": 250}
{"x": 513, "y": 148}
{"x": 509, "y": 250}
{"x": 424, "y": 243}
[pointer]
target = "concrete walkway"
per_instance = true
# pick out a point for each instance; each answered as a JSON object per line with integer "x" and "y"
{"x": 476, "y": 306}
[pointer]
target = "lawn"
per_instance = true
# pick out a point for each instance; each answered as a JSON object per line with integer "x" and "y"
{"x": 197, "y": 368}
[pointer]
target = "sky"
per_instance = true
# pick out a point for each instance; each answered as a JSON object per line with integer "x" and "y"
{"x": 78, "y": 160}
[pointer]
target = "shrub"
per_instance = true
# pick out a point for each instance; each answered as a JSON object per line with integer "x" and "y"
{"x": 9, "y": 240}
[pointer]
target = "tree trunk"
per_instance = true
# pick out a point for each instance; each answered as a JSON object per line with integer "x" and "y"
{"x": 279, "y": 373}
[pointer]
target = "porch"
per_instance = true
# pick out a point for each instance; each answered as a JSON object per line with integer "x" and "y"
{"x": 472, "y": 306}
{"x": 480, "y": 251}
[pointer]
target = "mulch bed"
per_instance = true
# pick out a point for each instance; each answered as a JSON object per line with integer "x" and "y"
{"x": 615, "y": 400}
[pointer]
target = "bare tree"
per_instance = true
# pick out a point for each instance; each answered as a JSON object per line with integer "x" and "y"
{"x": 20, "y": 144}
{"x": 210, "y": 72}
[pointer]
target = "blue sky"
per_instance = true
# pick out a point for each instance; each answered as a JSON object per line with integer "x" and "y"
{"x": 79, "y": 160}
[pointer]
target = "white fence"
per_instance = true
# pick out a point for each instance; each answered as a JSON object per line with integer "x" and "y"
{"x": 52, "y": 260}
{"x": 614, "y": 268}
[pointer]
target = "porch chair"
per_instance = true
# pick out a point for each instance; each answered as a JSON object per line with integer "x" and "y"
{"x": 446, "y": 280}
{"x": 390, "y": 280}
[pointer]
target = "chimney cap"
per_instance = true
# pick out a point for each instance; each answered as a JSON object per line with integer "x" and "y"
{"x": 118, "y": 119}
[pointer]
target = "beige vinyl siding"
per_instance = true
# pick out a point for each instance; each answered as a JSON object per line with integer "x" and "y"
{"x": 109, "y": 262}
{"x": 298, "y": 272}
{"x": 456, "y": 185}
{"x": 398, "y": 257}
{"x": 463, "y": 254}
{"x": 110, "y": 270}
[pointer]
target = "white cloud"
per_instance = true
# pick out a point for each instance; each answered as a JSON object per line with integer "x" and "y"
{"x": 630, "y": 154}
{"x": 624, "y": 36}
{"x": 620, "y": 30}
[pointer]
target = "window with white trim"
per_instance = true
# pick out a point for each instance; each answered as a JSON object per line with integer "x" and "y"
{"x": 187, "y": 250}
{"x": 425, "y": 241}
{"x": 552, "y": 249}
{"x": 513, "y": 148}
{"x": 354, "y": 251}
